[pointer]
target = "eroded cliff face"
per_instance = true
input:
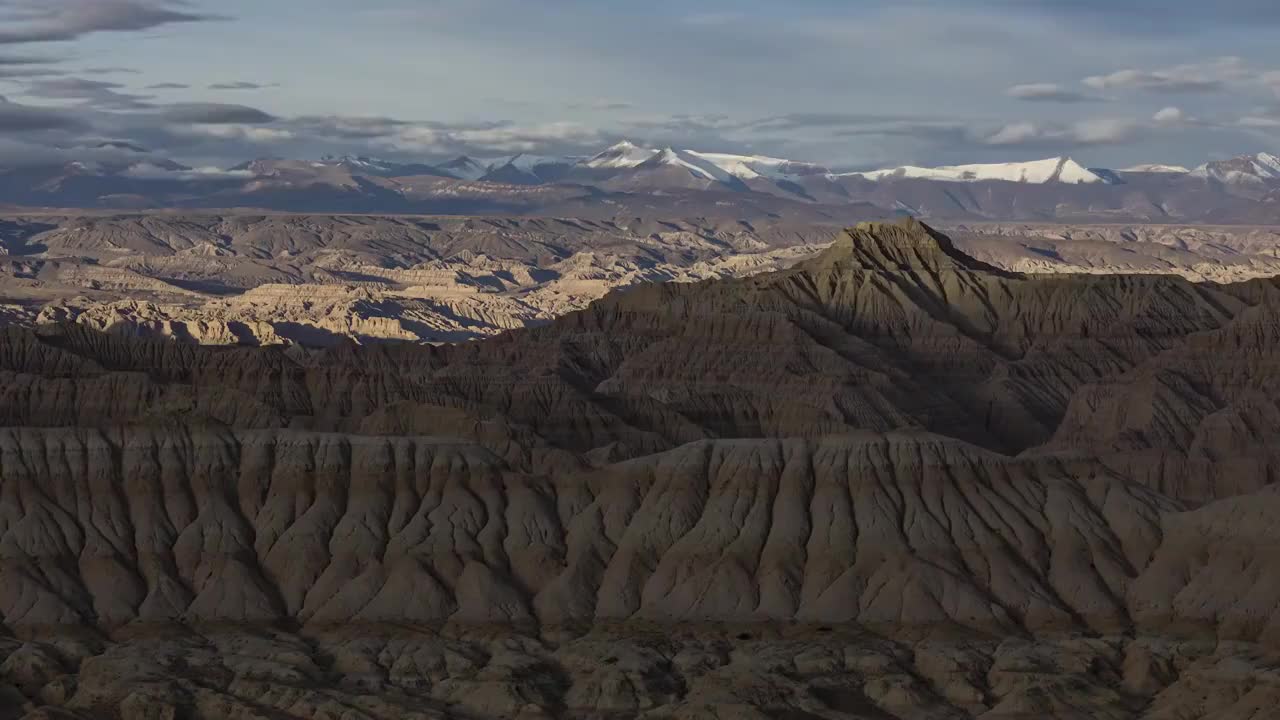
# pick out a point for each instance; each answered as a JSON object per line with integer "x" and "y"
{"x": 153, "y": 525}
{"x": 890, "y": 482}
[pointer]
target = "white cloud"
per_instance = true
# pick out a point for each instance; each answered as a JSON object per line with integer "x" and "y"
{"x": 503, "y": 138}
{"x": 147, "y": 171}
{"x": 1259, "y": 122}
{"x": 1103, "y": 131}
{"x": 248, "y": 133}
{"x": 1016, "y": 134}
{"x": 1099, "y": 131}
{"x": 1189, "y": 78}
{"x": 1048, "y": 92}
{"x": 1169, "y": 116}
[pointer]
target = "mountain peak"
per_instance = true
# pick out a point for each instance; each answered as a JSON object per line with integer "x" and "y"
{"x": 905, "y": 245}
{"x": 1245, "y": 169}
{"x": 625, "y": 154}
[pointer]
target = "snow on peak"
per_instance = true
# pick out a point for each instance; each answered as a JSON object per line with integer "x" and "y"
{"x": 1268, "y": 164}
{"x": 622, "y": 155}
{"x": 1072, "y": 172}
{"x": 1263, "y": 167}
{"x": 359, "y": 162}
{"x": 1157, "y": 168}
{"x": 690, "y": 161}
{"x": 749, "y": 167}
{"x": 626, "y": 154}
{"x": 1037, "y": 172}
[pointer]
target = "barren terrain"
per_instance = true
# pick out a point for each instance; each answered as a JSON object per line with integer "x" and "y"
{"x": 891, "y": 481}
{"x": 317, "y": 280}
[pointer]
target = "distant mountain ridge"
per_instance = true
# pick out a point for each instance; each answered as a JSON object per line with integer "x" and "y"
{"x": 666, "y": 181}
{"x": 1248, "y": 169}
{"x": 1039, "y": 172}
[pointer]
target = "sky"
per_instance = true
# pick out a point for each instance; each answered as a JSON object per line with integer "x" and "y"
{"x": 851, "y": 84}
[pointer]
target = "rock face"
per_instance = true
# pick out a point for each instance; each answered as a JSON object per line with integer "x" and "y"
{"x": 891, "y": 481}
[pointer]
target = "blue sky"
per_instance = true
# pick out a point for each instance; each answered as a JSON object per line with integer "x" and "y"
{"x": 858, "y": 83}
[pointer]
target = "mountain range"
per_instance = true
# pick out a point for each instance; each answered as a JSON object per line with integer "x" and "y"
{"x": 629, "y": 179}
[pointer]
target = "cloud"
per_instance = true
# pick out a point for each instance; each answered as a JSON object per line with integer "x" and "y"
{"x": 601, "y": 105}
{"x": 936, "y": 134}
{"x": 99, "y": 94}
{"x": 1145, "y": 16}
{"x": 1271, "y": 80}
{"x": 1104, "y": 131}
{"x": 7, "y": 60}
{"x": 216, "y": 114}
{"x": 147, "y": 171}
{"x": 347, "y": 127}
{"x": 1191, "y": 78}
{"x": 547, "y": 138}
{"x": 17, "y": 118}
{"x": 247, "y": 133}
{"x": 168, "y": 86}
{"x": 109, "y": 71}
{"x": 1169, "y": 116}
{"x": 27, "y": 66}
{"x": 713, "y": 19}
{"x": 28, "y": 21}
{"x": 25, "y": 152}
{"x": 1100, "y": 131}
{"x": 1049, "y": 92}
{"x": 1016, "y": 134}
{"x": 1139, "y": 79}
{"x": 17, "y": 72}
{"x": 1259, "y": 122}
{"x": 22, "y": 153}
{"x": 798, "y": 121}
{"x": 240, "y": 85}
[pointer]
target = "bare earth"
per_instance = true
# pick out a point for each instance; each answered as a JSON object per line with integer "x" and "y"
{"x": 316, "y": 280}
{"x": 892, "y": 481}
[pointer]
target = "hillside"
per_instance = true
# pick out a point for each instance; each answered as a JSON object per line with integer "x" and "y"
{"x": 890, "y": 481}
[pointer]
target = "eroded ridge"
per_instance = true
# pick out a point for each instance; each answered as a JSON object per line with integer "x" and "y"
{"x": 889, "y": 482}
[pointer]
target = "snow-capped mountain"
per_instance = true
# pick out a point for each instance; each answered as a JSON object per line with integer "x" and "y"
{"x": 750, "y": 167}
{"x": 362, "y": 163}
{"x": 526, "y": 169}
{"x": 627, "y": 155}
{"x": 629, "y": 165}
{"x": 622, "y": 155}
{"x": 1157, "y": 168}
{"x": 1039, "y": 172}
{"x": 629, "y": 177}
{"x": 1246, "y": 169}
{"x": 688, "y": 161}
